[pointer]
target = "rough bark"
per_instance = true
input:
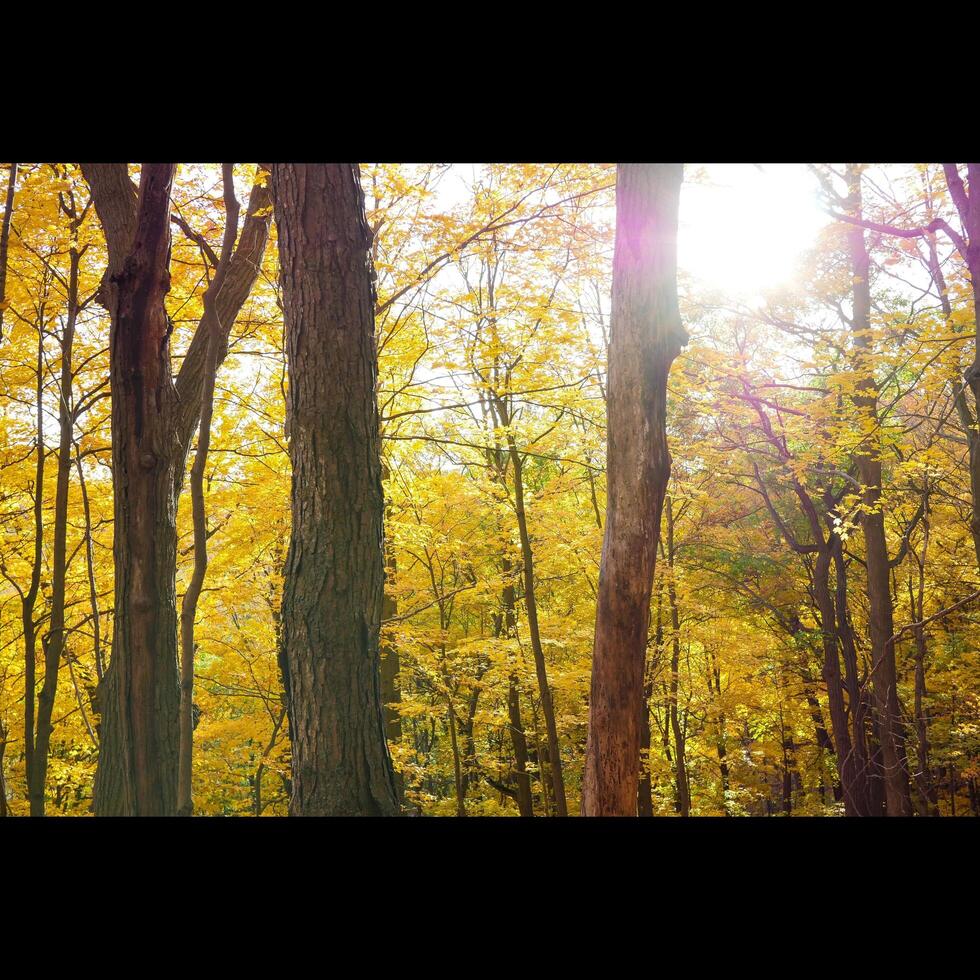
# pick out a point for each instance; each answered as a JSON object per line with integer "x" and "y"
{"x": 331, "y": 608}
{"x": 137, "y": 771}
{"x": 646, "y": 336}
{"x": 153, "y": 422}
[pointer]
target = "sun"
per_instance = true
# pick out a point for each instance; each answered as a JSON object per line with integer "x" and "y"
{"x": 743, "y": 230}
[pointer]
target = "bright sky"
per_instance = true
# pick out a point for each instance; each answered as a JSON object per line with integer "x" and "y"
{"x": 741, "y": 232}
{"x": 745, "y": 229}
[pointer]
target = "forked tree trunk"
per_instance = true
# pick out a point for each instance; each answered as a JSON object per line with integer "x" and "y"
{"x": 646, "y": 336}
{"x": 153, "y": 423}
{"x": 331, "y": 608}
{"x": 137, "y": 771}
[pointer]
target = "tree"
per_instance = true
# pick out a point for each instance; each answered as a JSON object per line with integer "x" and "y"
{"x": 154, "y": 419}
{"x": 331, "y": 608}
{"x": 645, "y": 337}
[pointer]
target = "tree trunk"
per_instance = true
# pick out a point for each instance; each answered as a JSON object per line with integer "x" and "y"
{"x": 331, "y": 608}
{"x": 856, "y": 698}
{"x": 54, "y": 643}
{"x": 884, "y": 673}
{"x": 851, "y": 779}
{"x": 153, "y": 423}
{"x": 646, "y": 336}
{"x": 680, "y": 740}
{"x": 188, "y": 610}
{"x": 530, "y": 601}
{"x": 137, "y": 770}
{"x": 8, "y": 211}
{"x": 505, "y": 624}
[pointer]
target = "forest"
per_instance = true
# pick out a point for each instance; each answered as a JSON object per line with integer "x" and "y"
{"x": 487, "y": 490}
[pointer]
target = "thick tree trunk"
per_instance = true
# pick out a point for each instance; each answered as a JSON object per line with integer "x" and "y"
{"x": 137, "y": 771}
{"x": 331, "y": 609}
{"x": 153, "y": 422}
{"x": 646, "y": 336}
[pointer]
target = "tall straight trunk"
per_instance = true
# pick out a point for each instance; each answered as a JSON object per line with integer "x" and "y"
{"x": 856, "y": 695}
{"x": 29, "y": 598}
{"x": 3, "y": 783}
{"x": 8, "y": 211}
{"x": 331, "y": 607}
{"x": 188, "y": 611}
{"x": 530, "y": 601}
{"x": 966, "y": 197}
{"x": 505, "y": 624}
{"x": 927, "y": 797}
{"x": 391, "y": 694}
{"x": 851, "y": 779}
{"x": 720, "y": 742}
{"x": 644, "y": 796}
{"x": 965, "y": 415}
{"x": 646, "y": 336}
{"x": 137, "y": 770}
{"x": 680, "y": 739}
{"x": 54, "y": 644}
{"x": 884, "y": 673}
{"x": 93, "y": 595}
{"x": 391, "y": 688}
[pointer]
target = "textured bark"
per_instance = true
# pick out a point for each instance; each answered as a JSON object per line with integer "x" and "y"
{"x": 137, "y": 771}
{"x": 646, "y": 336}
{"x": 884, "y": 673}
{"x": 331, "y": 608}
{"x": 153, "y": 422}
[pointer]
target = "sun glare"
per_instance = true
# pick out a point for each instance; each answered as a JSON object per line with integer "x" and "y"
{"x": 743, "y": 228}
